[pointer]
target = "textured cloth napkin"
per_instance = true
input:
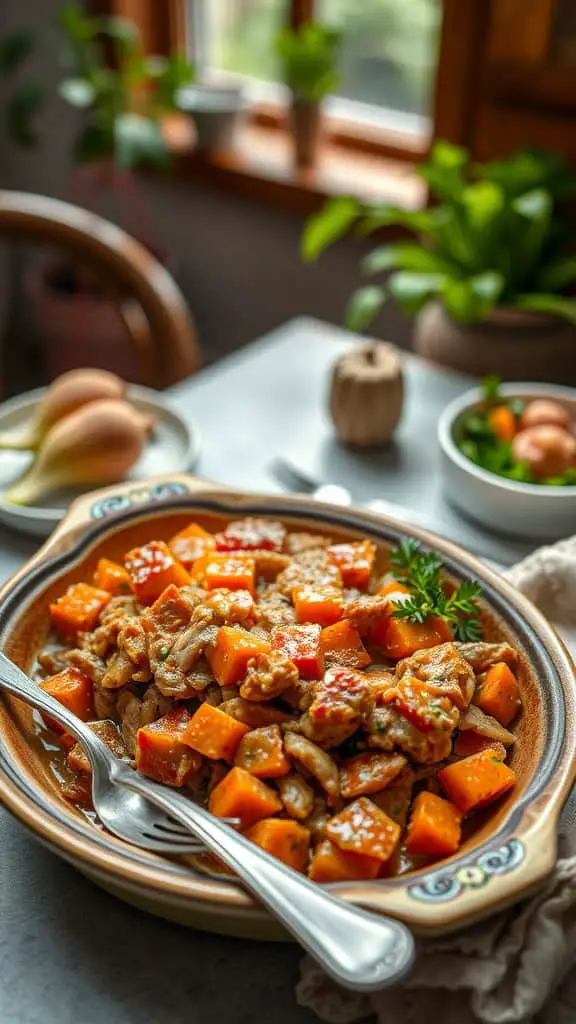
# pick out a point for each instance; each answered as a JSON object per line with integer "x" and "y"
{"x": 513, "y": 967}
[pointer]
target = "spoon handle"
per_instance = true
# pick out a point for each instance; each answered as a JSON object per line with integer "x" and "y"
{"x": 359, "y": 950}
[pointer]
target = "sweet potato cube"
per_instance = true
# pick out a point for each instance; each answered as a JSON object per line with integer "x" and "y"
{"x": 363, "y": 828}
{"x": 214, "y": 733}
{"x": 476, "y": 780}
{"x": 422, "y": 705}
{"x": 241, "y": 795}
{"x": 78, "y": 609}
{"x": 434, "y": 826}
{"x": 190, "y": 544}
{"x": 152, "y": 568}
{"x": 112, "y": 577}
{"x": 302, "y": 645}
{"x": 318, "y": 604}
{"x": 161, "y": 753}
{"x": 284, "y": 839}
{"x": 395, "y": 592}
{"x": 498, "y": 693}
{"x": 400, "y": 639}
{"x": 261, "y": 752}
{"x": 355, "y": 561}
{"x": 73, "y": 689}
{"x": 369, "y": 773}
{"x": 331, "y": 864}
{"x": 231, "y": 653}
{"x": 342, "y": 644}
{"x": 220, "y": 570}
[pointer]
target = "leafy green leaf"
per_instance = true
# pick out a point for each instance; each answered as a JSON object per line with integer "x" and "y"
{"x": 558, "y": 274}
{"x": 15, "y": 49}
{"x": 168, "y": 75}
{"x": 363, "y": 306}
{"x": 412, "y": 289}
{"x": 418, "y": 221}
{"x": 78, "y": 92}
{"x": 491, "y": 388}
{"x": 21, "y": 109}
{"x": 473, "y": 297}
{"x": 123, "y": 32}
{"x": 556, "y": 305}
{"x": 138, "y": 141}
{"x": 403, "y": 256}
{"x": 444, "y": 170}
{"x": 329, "y": 224}
{"x": 308, "y": 58}
{"x": 74, "y": 25}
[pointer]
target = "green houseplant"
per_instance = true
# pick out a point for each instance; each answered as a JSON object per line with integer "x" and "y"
{"x": 490, "y": 272}
{"x": 308, "y": 57}
{"x": 121, "y": 96}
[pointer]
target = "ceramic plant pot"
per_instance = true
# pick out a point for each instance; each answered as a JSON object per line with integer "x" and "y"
{"x": 217, "y": 113}
{"x": 515, "y": 344}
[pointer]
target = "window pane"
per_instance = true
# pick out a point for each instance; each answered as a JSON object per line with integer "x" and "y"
{"x": 389, "y": 50}
{"x": 240, "y": 36}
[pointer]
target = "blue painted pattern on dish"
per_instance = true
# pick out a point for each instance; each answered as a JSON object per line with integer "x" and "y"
{"x": 446, "y": 885}
{"x": 139, "y": 496}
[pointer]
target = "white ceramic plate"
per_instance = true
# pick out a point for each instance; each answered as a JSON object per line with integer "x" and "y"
{"x": 173, "y": 448}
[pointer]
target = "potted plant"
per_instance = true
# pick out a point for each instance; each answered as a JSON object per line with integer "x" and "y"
{"x": 491, "y": 272}
{"x": 121, "y": 95}
{"x": 308, "y": 56}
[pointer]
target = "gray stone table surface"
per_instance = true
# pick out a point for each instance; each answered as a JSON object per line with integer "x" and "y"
{"x": 71, "y": 954}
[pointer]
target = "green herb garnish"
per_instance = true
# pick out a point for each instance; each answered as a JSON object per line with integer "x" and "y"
{"x": 163, "y": 653}
{"x": 421, "y": 572}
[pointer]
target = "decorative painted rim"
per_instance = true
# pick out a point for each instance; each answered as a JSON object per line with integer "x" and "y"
{"x": 519, "y": 853}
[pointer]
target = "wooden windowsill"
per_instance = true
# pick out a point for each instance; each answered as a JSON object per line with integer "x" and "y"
{"x": 261, "y": 168}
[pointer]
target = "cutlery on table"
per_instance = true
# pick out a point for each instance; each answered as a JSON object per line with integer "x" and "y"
{"x": 360, "y": 950}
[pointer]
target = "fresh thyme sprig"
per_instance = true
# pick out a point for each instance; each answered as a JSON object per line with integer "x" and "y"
{"x": 421, "y": 572}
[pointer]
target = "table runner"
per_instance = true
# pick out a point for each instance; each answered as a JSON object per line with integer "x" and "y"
{"x": 514, "y": 967}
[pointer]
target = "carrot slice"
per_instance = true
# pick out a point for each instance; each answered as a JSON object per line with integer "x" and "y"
{"x": 498, "y": 693}
{"x": 302, "y": 645}
{"x": 476, "y": 781}
{"x": 241, "y": 795}
{"x": 214, "y": 733}
{"x": 161, "y": 753}
{"x": 233, "y": 649}
{"x": 190, "y": 544}
{"x": 331, "y": 864}
{"x": 434, "y": 827}
{"x": 78, "y": 609}
{"x": 342, "y": 643}
{"x": 261, "y": 753}
{"x": 363, "y": 828}
{"x": 112, "y": 577}
{"x": 355, "y": 561}
{"x": 318, "y": 604}
{"x": 152, "y": 568}
{"x": 284, "y": 839}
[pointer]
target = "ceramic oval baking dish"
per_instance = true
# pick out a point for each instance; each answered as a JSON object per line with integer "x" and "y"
{"x": 509, "y": 853}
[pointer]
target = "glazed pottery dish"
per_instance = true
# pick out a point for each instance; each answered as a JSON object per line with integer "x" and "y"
{"x": 532, "y": 510}
{"x": 273, "y": 657}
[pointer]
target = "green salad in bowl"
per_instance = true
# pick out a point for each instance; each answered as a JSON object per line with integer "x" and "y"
{"x": 529, "y": 440}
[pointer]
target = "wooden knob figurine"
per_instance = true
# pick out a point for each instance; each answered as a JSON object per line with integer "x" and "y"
{"x": 367, "y": 393}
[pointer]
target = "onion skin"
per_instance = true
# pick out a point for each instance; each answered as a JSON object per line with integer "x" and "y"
{"x": 547, "y": 449}
{"x": 545, "y": 411}
{"x": 96, "y": 444}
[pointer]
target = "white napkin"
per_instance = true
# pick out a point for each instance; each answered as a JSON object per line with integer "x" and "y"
{"x": 513, "y": 967}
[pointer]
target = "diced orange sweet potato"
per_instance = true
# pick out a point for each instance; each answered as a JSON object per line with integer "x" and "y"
{"x": 190, "y": 544}
{"x": 476, "y": 780}
{"x": 241, "y": 795}
{"x": 395, "y": 592}
{"x": 369, "y": 773}
{"x": 318, "y": 604}
{"x": 161, "y": 753}
{"x": 422, "y": 705}
{"x": 498, "y": 693}
{"x": 284, "y": 839}
{"x": 434, "y": 826}
{"x": 331, "y": 864}
{"x": 78, "y": 609}
{"x": 261, "y": 753}
{"x": 502, "y": 422}
{"x": 400, "y": 638}
{"x": 355, "y": 561}
{"x": 393, "y": 589}
{"x": 363, "y": 828}
{"x": 112, "y": 577}
{"x": 302, "y": 645}
{"x": 470, "y": 742}
{"x": 222, "y": 570}
{"x": 214, "y": 733}
{"x": 231, "y": 653}
{"x": 152, "y": 568}
{"x": 341, "y": 643}
{"x": 73, "y": 689}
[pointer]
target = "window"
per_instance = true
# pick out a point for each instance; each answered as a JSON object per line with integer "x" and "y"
{"x": 387, "y": 64}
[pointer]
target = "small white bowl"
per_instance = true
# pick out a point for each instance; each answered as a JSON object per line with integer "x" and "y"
{"x": 523, "y": 510}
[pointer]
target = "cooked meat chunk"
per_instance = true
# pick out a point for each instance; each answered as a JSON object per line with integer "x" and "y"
{"x": 365, "y": 610}
{"x": 53, "y": 660}
{"x": 164, "y": 622}
{"x": 369, "y": 773}
{"x": 92, "y": 666}
{"x": 296, "y": 795}
{"x": 274, "y": 609}
{"x": 132, "y": 641}
{"x": 296, "y": 543}
{"x": 113, "y": 617}
{"x": 135, "y": 712}
{"x": 200, "y": 676}
{"x": 485, "y": 725}
{"x": 120, "y": 671}
{"x": 253, "y": 714}
{"x": 445, "y": 668}
{"x": 78, "y": 790}
{"x": 318, "y": 819}
{"x": 482, "y": 655}
{"x": 106, "y": 702}
{"x": 381, "y": 682}
{"x": 268, "y": 675}
{"x": 395, "y": 799}
{"x": 342, "y": 701}
{"x": 313, "y": 567}
{"x": 109, "y": 734}
{"x": 226, "y": 608}
{"x": 387, "y": 729}
{"x": 191, "y": 645}
{"x": 213, "y": 695}
{"x": 315, "y": 760}
{"x": 269, "y": 564}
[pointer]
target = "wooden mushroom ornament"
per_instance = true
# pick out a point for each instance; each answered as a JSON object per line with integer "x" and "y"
{"x": 366, "y": 394}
